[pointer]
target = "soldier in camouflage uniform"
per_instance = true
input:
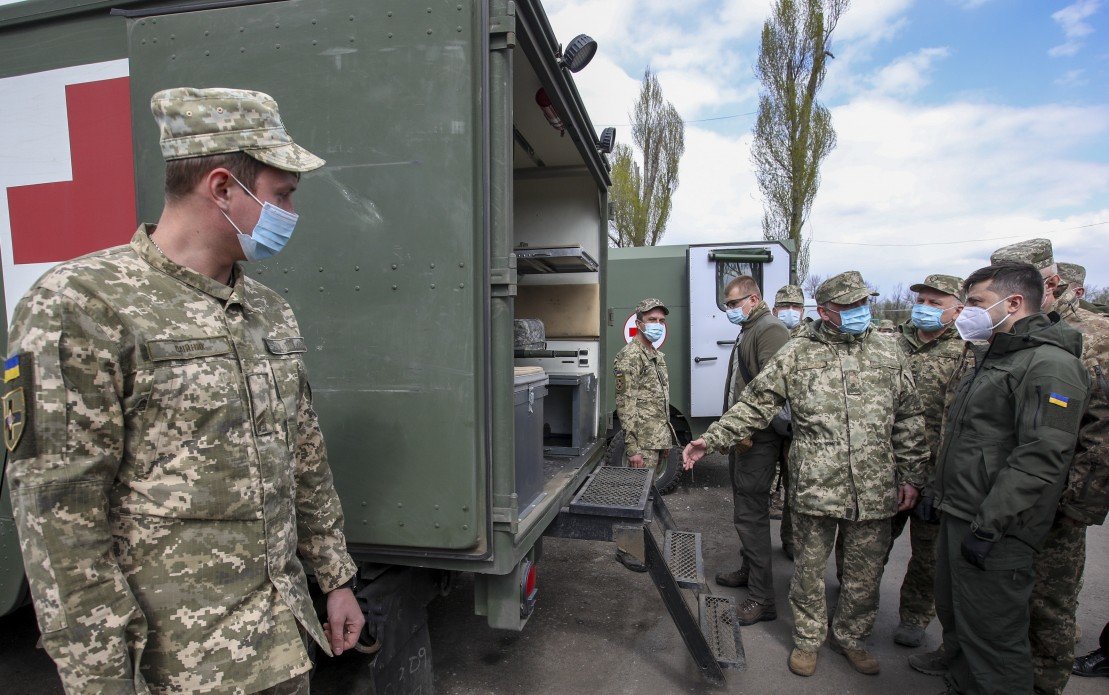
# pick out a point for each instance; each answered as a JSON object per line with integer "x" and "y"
{"x": 934, "y": 351}
{"x": 857, "y": 459}
{"x": 166, "y": 465}
{"x": 789, "y": 307}
{"x": 643, "y": 397}
{"x": 1085, "y": 500}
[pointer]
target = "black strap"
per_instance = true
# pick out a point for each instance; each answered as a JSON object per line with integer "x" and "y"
{"x": 747, "y": 376}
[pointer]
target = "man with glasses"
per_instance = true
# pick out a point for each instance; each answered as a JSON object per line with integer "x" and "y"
{"x": 752, "y": 463}
{"x": 643, "y": 397}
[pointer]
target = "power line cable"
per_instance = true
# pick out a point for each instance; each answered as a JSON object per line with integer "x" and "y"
{"x": 958, "y": 241}
{"x": 696, "y": 120}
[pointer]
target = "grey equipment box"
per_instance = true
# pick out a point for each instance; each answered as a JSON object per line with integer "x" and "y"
{"x": 570, "y": 421}
{"x": 529, "y": 391}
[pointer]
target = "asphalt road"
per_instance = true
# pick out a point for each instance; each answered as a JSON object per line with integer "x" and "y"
{"x": 601, "y": 629}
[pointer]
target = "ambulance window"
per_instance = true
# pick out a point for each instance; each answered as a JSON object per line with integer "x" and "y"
{"x": 726, "y": 271}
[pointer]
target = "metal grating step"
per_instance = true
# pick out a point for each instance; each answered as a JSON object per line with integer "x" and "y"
{"x": 682, "y": 550}
{"x": 615, "y": 491}
{"x": 721, "y": 630}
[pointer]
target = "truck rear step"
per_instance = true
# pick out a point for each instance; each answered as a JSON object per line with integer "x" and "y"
{"x": 615, "y": 491}
{"x": 682, "y": 550}
{"x": 721, "y": 630}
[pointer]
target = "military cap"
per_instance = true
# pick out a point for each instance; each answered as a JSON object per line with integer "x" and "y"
{"x": 846, "y": 288}
{"x": 886, "y": 326}
{"x": 789, "y": 294}
{"x": 1072, "y": 273}
{"x": 648, "y": 304}
{"x": 948, "y": 284}
{"x": 1034, "y": 251}
{"x": 201, "y": 122}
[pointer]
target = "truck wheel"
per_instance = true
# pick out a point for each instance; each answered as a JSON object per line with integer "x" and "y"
{"x": 667, "y": 475}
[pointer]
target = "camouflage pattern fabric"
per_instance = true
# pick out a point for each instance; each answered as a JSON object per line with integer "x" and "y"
{"x": 858, "y": 425}
{"x": 1036, "y": 252}
{"x": 170, "y": 470}
{"x": 865, "y": 545}
{"x": 643, "y": 399}
{"x": 789, "y": 294}
{"x": 917, "y": 605}
{"x": 1066, "y": 305}
{"x": 948, "y": 284}
{"x": 846, "y": 288}
{"x": 933, "y": 364}
{"x": 201, "y": 122}
{"x": 800, "y": 328}
{"x": 1054, "y": 604}
{"x": 1073, "y": 273}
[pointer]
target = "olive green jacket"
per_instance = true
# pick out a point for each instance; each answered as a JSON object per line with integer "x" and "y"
{"x": 1011, "y": 433}
{"x": 761, "y": 336}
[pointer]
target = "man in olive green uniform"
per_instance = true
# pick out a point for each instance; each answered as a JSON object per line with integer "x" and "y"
{"x": 643, "y": 397}
{"x": 789, "y": 307}
{"x": 1001, "y": 469}
{"x": 166, "y": 465}
{"x": 1059, "y": 566}
{"x": 934, "y": 350}
{"x": 753, "y": 465}
{"x": 857, "y": 459}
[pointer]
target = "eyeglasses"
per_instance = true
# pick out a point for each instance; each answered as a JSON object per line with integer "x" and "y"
{"x": 734, "y": 303}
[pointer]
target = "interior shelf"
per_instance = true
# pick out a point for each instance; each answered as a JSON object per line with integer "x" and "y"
{"x": 533, "y": 260}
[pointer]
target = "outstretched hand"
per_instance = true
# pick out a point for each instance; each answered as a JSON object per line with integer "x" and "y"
{"x": 694, "y": 452}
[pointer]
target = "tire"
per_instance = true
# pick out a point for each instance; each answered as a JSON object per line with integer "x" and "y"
{"x": 667, "y": 476}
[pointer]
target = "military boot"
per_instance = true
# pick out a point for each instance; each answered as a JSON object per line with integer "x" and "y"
{"x": 861, "y": 660}
{"x": 801, "y": 662}
{"x": 930, "y": 663}
{"x": 752, "y": 612}
{"x": 909, "y": 635}
{"x": 1092, "y": 665}
{"x": 735, "y": 578}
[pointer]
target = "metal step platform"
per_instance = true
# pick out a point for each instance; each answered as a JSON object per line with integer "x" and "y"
{"x": 615, "y": 491}
{"x": 721, "y": 630}
{"x": 682, "y": 551}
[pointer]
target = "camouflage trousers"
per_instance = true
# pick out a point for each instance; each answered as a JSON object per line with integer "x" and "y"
{"x": 651, "y": 458}
{"x": 917, "y": 604}
{"x": 297, "y": 685}
{"x": 1054, "y": 604}
{"x": 864, "y": 547}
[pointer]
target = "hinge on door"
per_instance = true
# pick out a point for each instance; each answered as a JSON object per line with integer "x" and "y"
{"x": 502, "y": 30}
{"x": 502, "y": 276}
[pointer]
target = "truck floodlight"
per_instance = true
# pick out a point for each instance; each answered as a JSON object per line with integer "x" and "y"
{"x": 578, "y": 53}
{"x": 608, "y": 140}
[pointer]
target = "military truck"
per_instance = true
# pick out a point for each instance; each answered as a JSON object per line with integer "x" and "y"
{"x": 466, "y": 190}
{"x": 699, "y": 338}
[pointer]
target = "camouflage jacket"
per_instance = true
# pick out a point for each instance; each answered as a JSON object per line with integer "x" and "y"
{"x": 1086, "y": 497}
{"x": 933, "y": 364}
{"x": 168, "y": 469}
{"x": 858, "y": 428}
{"x": 643, "y": 398}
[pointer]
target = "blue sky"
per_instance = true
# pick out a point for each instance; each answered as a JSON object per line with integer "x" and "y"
{"x": 957, "y": 120}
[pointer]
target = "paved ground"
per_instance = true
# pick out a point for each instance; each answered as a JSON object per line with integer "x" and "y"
{"x": 601, "y": 629}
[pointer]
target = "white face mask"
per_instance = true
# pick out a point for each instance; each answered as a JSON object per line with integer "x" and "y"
{"x": 974, "y": 322}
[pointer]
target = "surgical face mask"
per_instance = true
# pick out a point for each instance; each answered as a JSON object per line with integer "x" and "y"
{"x": 854, "y": 321}
{"x": 790, "y": 317}
{"x": 927, "y": 318}
{"x": 736, "y": 316}
{"x": 974, "y": 322}
{"x": 270, "y": 234}
{"x": 653, "y": 331}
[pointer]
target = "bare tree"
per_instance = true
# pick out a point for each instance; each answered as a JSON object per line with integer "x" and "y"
{"x": 895, "y": 305}
{"x": 642, "y": 196}
{"x": 793, "y": 132}
{"x": 811, "y": 283}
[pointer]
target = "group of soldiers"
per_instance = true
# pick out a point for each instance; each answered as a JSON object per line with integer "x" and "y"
{"x": 981, "y": 424}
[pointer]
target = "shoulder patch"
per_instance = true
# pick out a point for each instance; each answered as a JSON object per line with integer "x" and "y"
{"x": 1060, "y": 411}
{"x": 17, "y": 403}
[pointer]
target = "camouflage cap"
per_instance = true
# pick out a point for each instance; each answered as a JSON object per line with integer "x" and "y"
{"x": 1072, "y": 273}
{"x": 651, "y": 303}
{"x": 201, "y": 122}
{"x": 789, "y": 294}
{"x": 846, "y": 288}
{"x": 948, "y": 284}
{"x": 886, "y": 326}
{"x": 1034, "y": 251}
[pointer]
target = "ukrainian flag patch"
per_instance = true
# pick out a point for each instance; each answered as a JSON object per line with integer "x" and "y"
{"x": 11, "y": 369}
{"x": 1058, "y": 399}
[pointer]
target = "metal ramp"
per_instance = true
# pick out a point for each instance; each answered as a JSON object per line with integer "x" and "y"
{"x": 621, "y": 504}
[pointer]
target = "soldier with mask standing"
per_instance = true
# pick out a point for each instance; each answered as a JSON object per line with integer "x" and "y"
{"x": 857, "y": 459}
{"x": 752, "y": 469}
{"x": 168, "y": 468}
{"x": 789, "y": 307}
{"x": 934, "y": 351}
{"x": 643, "y": 398}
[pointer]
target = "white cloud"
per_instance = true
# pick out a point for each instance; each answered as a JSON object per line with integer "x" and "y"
{"x": 909, "y": 73}
{"x": 1072, "y": 78}
{"x": 1072, "y": 19}
{"x": 970, "y": 4}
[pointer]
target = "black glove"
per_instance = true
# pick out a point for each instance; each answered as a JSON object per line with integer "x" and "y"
{"x": 926, "y": 510}
{"x": 976, "y": 549}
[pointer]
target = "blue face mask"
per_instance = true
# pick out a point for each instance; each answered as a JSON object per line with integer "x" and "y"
{"x": 653, "y": 331}
{"x": 854, "y": 321}
{"x": 736, "y": 316}
{"x": 270, "y": 234}
{"x": 790, "y": 317}
{"x": 927, "y": 318}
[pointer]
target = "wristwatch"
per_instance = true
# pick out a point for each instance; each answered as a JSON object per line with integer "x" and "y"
{"x": 351, "y": 584}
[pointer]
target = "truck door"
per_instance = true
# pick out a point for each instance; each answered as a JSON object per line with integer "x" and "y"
{"x": 711, "y": 335}
{"x": 387, "y": 269}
